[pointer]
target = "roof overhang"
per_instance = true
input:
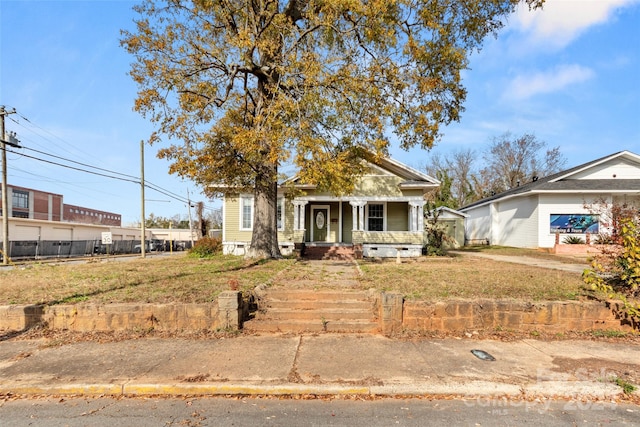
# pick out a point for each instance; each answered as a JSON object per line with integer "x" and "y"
{"x": 537, "y": 192}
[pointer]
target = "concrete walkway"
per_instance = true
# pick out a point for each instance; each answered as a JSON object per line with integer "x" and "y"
{"x": 577, "y": 267}
{"x": 320, "y": 364}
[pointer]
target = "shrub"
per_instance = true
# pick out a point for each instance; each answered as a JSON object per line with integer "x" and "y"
{"x": 604, "y": 239}
{"x": 437, "y": 235}
{"x": 573, "y": 240}
{"x": 616, "y": 272}
{"x": 206, "y": 247}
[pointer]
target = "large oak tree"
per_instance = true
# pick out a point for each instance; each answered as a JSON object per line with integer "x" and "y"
{"x": 242, "y": 86}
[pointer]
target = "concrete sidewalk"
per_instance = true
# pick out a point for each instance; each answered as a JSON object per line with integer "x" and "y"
{"x": 320, "y": 364}
{"x": 577, "y": 267}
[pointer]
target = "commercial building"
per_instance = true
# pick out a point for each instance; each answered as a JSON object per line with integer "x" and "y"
{"x": 41, "y": 205}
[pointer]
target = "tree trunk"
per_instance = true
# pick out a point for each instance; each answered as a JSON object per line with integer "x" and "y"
{"x": 264, "y": 239}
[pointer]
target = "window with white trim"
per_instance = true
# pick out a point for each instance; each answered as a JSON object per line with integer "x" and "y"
{"x": 280, "y": 213}
{"x": 246, "y": 213}
{"x": 375, "y": 220}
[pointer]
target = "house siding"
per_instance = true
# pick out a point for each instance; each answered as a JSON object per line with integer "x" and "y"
{"x": 371, "y": 186}
{"x": 397, "y": 216}
{"x": 560, "y": 204}
{"x": 621, "y": 168}
{"x": 477, "y": 225}
{"x": 232, "y": 221}
{"x": 518, "y": 222}
{"x": 384, "y": 237}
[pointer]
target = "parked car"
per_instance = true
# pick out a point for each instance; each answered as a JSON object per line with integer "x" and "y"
{"x": 149, "y": 247}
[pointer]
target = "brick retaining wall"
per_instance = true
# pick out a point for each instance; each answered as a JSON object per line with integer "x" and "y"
{"x": 394, "y": 314}
{"x": 225, "y": 313}
{"x": 555, "y": 316}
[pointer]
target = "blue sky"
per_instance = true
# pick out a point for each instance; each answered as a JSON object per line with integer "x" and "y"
{"x": 569, "y": 74}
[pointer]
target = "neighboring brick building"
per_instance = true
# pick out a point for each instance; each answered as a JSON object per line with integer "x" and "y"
{"x": 74, "y": 213}
{"x": 35, "y": 204}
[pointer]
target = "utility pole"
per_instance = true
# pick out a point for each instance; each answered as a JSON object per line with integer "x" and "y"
{"x": 190, "y": 222}
{"x": 142, "y": 225}
{"x": 5, "y": 197}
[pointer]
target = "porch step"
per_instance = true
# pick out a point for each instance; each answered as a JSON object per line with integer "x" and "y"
{"x": 343, "y": 253}
{"x": 300, "y": 311}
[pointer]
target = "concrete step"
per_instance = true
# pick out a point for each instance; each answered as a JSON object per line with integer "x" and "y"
{"x": 306, "y": 310}
{"x": 283, "y": 294}
{"x": 317, "y": 304}
{"x": 330, "y": 252}
{"x": 315, "y": 314}
{"x": 299, "y": 326}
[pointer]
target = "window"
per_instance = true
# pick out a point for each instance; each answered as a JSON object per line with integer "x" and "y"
{"x": 280, "y": 213}
{"x": 376, "y": 217}
{"x": 20, "y": 199}
{"x": 246, "y": 213}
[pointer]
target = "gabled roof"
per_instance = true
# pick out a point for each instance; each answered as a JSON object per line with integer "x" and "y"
{"x": 413, "y": 177}
{"x": 451, "y": 212}
{"x": 561, "y": 182}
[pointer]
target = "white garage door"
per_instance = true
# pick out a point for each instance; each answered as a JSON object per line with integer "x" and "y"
{"x": 25, "y": 232}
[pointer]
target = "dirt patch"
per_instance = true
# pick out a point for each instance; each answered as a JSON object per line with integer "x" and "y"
{"x": 589, "y": 369}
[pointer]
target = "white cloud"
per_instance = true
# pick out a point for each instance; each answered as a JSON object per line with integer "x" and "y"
{"x": 527, "y": 86}
{"x": 561, "y": 21}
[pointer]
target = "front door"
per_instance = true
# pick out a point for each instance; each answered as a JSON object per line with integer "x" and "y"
{"x": 320, "y": 227}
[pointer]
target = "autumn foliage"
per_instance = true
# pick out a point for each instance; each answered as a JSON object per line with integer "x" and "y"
{"x": 242, "y": 87}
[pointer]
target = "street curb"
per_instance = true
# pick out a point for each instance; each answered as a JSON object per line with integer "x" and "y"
{"x": 477, "y": 389}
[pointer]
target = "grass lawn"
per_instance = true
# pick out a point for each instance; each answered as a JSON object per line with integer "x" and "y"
{"x": 176, "y": 278}
{"x": 471, "y": 278}
{"x": 184, "y": 279}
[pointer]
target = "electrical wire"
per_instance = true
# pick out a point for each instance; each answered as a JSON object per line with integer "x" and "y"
{"x": 108, "y": 173}
{"x": 124, "y": 177}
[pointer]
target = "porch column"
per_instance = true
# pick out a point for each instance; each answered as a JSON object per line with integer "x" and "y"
{"x": 298, "y": 214}
{"x": 410, "y": 227}
{"x": 354, "y": 215}
{"x": 357, "y": 209}
{"x": 416, "y": 216}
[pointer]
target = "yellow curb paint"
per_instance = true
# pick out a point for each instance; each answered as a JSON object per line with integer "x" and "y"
{"x": 69, "y": 389}
{"x": 182, "y": 389}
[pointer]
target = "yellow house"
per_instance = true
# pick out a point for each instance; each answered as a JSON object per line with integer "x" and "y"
{"x": 382, "y": 218}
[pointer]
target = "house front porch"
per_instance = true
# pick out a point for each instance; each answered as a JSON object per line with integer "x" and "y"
{"x": 376, "y": 227}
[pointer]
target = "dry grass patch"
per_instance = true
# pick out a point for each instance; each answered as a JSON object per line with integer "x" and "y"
{"x": 470, "y": 278}
{"x": 179, "y": 278}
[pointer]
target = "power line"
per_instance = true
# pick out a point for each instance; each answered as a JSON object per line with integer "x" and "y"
{"x": 108, "y": 173}
{"x": 80, "y": 163}
{"x": 72, "y": 167}
{"x": 128, "y": 178}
